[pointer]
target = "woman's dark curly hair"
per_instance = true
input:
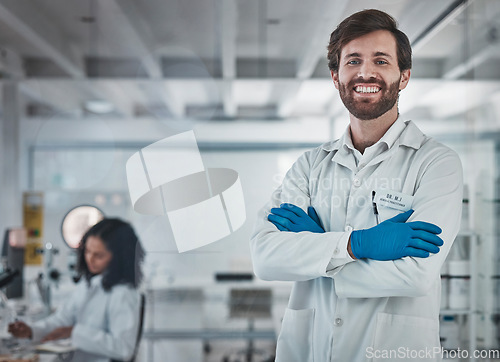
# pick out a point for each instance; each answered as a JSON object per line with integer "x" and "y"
{"x": 120, "y": 239}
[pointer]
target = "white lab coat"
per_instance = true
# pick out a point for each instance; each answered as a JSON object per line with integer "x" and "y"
{"x": 105, "y": 323}
{"x": 348, "y": 310}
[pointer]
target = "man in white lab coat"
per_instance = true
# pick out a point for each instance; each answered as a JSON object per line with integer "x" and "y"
{"x": 383, "y": 208}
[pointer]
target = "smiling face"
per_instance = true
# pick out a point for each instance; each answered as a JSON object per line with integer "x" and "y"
{"x": 369, "y": 79}
{"x": 97, "y": 256}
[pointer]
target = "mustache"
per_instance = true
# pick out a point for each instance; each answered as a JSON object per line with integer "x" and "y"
{"x": 366, "y": 81}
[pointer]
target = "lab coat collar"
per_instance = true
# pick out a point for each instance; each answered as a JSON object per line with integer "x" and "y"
{"x": 412, "y": 136}
{"x": 96, "y": 280}
{"x": 386, "y": 145}
{"x": 333, "y": 145}
{"x": 342, "y": 147}
{"x": 392, "y": 134}
{"x": 404, "y": 133}
{"x": 409, "y": 135}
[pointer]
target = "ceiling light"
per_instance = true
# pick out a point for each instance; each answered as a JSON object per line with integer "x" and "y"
{"x": 99, "y": 107}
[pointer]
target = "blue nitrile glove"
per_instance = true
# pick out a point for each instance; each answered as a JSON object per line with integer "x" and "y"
{"x": 289, "y": 217}
{"x": 395, "y": 238}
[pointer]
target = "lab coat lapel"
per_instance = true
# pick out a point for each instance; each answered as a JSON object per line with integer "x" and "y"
{"x": 384, "y": 155}
{"x": 410, "y": 137}
{"x": 345, "y": 158}
{"x": 91, "y": 290}
{"x": 342, "y": 155}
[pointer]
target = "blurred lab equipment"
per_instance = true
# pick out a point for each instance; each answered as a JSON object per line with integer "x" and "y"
{"x": 73, "y": 226}
{"x": 250, "y": 304}
{"x": 77, "y": 221}
{"x": 12, "y": 258}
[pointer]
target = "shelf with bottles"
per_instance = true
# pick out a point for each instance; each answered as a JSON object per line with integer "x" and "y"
{"x": 459, "y": 276}
{"x": 488, "y": 330}
{"x": 459, "y": 272}
{"x": 458, "y": 314}
{"x": 455, "y": 331}
{"x": 455, "y": 311}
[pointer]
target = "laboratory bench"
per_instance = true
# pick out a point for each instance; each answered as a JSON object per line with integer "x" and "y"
{"x": 183, "y": 316}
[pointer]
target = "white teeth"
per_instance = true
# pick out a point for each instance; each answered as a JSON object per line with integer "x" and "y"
{"x": 361, "y": 89}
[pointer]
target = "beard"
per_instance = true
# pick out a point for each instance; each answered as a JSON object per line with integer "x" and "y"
{"x": 366, "y": 109}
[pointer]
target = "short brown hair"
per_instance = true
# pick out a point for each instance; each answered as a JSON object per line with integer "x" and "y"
{"x": 362, "y": 23}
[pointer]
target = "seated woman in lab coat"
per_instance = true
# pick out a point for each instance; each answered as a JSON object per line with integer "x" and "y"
{"x": 102, "y": 315}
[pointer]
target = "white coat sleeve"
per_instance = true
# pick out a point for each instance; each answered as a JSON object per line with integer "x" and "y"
{"x": 290, "y": 256}
{"x": 118, "y": 341}
{"x": 64, "y": 316}
{"x": 438, "y": 200}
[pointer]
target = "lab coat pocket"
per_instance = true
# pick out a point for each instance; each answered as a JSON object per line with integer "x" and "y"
{"x": 295, "y": 342}
{"x": 405, "y": 338}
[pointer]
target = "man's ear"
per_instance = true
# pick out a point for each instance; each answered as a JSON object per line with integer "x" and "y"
{"x": 335, "y": 77}
{"x": 405, "y": 78}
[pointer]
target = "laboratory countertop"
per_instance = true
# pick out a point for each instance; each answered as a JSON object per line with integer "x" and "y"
{"x": 209, "y": 283}
{"x": 30, "y": 358}
{"x": 22, "y": 351}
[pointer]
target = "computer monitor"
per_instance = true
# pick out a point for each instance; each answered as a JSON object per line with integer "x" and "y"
{"x": 14, "y": 242}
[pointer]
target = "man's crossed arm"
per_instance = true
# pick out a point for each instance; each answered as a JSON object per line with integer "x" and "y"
{"x": 390, "y": 240}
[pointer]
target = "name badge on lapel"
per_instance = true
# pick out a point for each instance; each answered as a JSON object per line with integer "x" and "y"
{"x": 393, "y": 199}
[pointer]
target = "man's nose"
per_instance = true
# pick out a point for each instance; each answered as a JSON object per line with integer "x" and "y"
{"x": 367, "y": 70}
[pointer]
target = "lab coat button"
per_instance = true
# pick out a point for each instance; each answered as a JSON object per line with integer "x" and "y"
{"x": 357, "y": 182}
{"x": 336, "y": 251}
{"x": 339, "y": 322}
{"x": 348, "y": 228}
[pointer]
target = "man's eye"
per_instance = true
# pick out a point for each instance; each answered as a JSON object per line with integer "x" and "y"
{"x": 381, "y": 62}
{"x": 353, "y": 62}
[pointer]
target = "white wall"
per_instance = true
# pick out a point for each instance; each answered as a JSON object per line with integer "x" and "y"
{"x": 260, "y": 172}
{"x": 10, "y": 195}
{"x": 78, "y": 160}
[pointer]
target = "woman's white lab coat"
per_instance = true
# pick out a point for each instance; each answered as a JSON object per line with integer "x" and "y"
{"x": 105, "y": 323}
{"x": 361, "y": 310}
